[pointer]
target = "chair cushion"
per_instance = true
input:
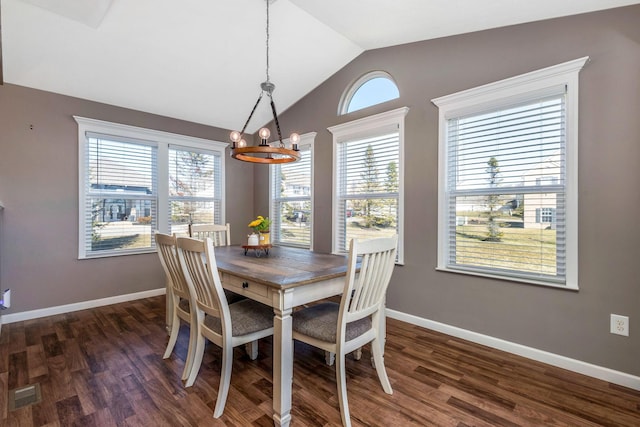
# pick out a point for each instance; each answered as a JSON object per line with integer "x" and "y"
{"x": 247, "y": 316}
{"x": 184, "y": 305}
{"x": 320, "y": 321}
{"x": 233, "y": 297}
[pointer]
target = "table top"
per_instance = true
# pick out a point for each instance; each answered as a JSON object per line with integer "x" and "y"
{"x": 283, "y": 268}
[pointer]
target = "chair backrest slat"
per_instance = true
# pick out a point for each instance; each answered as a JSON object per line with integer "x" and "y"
{"x": 168, "y": 253}
{"x": 198, "y": 260}
{"x": 368, "y": 287}
{"x": 220, "y": 235}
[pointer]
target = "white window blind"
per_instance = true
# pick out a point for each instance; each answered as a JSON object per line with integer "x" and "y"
{"x": 368, "y": 179}
{"x": 195, "y": 188}
{"x": 120, "y": 194}
{"x": 506, "y": 167}
{"x": 367, "y": 187}
{"x": 291, "y": 198}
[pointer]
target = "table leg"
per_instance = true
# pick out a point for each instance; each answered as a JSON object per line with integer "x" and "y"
{"x": 282, "y": 360}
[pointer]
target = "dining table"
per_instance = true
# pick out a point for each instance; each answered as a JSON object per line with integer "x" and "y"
{"x": 282, "y": 278}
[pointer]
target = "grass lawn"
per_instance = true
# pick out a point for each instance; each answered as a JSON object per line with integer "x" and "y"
{"x": 122, "y": 235}
{"x": 524, "y": 249}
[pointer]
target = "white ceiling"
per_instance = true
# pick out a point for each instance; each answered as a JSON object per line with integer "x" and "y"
{"x": 203, "y": 60}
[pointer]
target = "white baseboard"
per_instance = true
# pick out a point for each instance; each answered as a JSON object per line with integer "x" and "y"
{"x": 68, "y": 308}
{"x": 574, "y": 365}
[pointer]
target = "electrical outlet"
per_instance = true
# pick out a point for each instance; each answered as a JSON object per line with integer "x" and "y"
{"x": 620, "y": 325}
{"x": 5, "y": 302}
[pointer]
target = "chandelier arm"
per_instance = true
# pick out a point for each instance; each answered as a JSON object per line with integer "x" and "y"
{"x": 275, "y": 118}
{"x": 251, "y": 114}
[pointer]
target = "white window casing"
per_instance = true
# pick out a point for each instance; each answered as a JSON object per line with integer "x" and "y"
{"x": 368, "y": 146}
{"x": 132, "y": 174}
{"x": 373, "y": 88}
{"x": 291, "y": 197}
{"x": 511, "y": 146}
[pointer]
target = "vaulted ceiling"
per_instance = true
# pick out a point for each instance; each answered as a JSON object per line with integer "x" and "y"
{"x": 203, "y": 60}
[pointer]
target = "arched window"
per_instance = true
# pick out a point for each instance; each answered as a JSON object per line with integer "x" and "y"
{"x": 373, "y": 88}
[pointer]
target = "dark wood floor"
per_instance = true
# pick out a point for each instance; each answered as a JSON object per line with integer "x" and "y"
{"x": 104, "y": 367}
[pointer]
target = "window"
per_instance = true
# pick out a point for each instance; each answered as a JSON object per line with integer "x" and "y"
{"x": 508, "y": 178}
{"x": 291, "y": 198}
{"x": 371, "y": 89}
{"x": 545, "y": 215}
{"x": 368, "y": 179}
{"x": 134, "y": 180}
{"x": 195, "y": 188}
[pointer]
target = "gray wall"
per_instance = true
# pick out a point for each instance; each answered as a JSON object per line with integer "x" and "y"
{"x": 573, "y": 324}
{"x": 39, "y": 188}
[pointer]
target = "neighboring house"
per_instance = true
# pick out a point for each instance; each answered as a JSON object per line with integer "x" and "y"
{"x": 540, "y": 208}
{"x": 292, "y": 190}
{"x": 122, "y": 209}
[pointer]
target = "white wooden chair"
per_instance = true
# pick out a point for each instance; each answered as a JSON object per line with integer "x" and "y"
{"x": 226, "y": 325}
{"x": 219, "y": 234}
{"x": 180, "y": 294}
{"x": 359, "y": 318}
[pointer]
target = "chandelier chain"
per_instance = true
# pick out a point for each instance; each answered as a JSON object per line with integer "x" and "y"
{"x": 267, "y": 1}
{"x": 275, "y": 118}
{"x": 251, "y": 114}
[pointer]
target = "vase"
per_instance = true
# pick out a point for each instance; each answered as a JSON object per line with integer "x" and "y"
{"x": 253, "y": 240}
{"x": 265, "y": 238}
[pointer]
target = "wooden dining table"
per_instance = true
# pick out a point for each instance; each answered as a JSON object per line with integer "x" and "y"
{"x": 284, "y": 278}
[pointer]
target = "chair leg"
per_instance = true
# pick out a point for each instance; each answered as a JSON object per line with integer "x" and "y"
{"x": 357, "y": 354}
{"x": 188, "y": 363}
{"x": 376, "y": 349}
{"x": 252, "y": 349}
{"x": 341, "y": 380}
{"x": 173, "y": 335}
{"x": 225, "y": 379}
{"x": 197, "y": 360}
{"x": 329, "y": 358}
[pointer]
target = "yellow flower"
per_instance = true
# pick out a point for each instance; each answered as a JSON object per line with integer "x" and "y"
{"x": 260, "y": 224}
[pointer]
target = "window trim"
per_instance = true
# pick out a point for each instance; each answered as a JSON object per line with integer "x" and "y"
{"x": 524, "y": 87}
{"x": 362, "y": 128}
{"x": 306, "y": 140}
{"x": 163, "y": 141}
{"x": 347, "y": 96}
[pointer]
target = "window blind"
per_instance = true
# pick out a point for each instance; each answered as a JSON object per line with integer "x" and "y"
{"x": 367, "y": 187}
{"x": 195, "y": 188}
{"x": 506, "y": 184}
{"x": 291, "y": 201}
{"x": 120, "y": 194}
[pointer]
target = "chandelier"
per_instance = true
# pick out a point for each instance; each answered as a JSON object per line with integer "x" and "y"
{"x": 265, "y": 153}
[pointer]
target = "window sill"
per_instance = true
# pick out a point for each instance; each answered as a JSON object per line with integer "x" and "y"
{"x": 116, "y": 254}
{"x": 527, "y": 281}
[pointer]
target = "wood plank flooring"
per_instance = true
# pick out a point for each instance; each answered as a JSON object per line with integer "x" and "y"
{"x": 104, "y": 367}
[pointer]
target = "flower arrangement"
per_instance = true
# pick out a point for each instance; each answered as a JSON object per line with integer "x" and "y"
{"x": 260, "y": 224}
